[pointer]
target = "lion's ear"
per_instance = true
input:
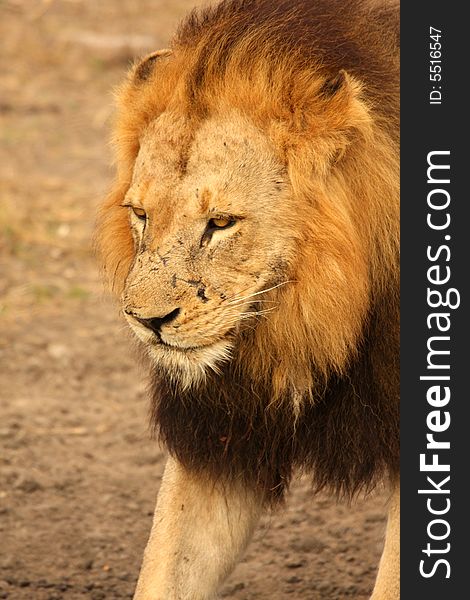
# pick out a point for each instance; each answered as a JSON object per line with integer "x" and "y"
{"x": 143, "y": 69}
{"x": 332, "y": 86}
{"x": 328, "y": 120}
{"x": 340, "y": 105}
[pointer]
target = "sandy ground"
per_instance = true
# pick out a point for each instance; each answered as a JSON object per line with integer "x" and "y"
{"x": 79, "y": 473}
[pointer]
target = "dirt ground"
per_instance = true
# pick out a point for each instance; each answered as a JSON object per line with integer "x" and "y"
{"x": 79, "y": 473}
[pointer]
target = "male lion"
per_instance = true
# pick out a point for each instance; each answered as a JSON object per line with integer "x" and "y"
{"x": 252, "y": 235}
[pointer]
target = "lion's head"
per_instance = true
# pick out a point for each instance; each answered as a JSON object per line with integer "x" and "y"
{"x": 255, "y": 212}
{"x": 207, "y": 208}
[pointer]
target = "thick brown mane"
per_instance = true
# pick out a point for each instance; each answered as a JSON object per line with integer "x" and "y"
{"x": 290, "y": 38}
{"x": 316, "y": 386}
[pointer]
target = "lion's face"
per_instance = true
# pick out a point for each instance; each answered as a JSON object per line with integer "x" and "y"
{"x": 209, "y": 212}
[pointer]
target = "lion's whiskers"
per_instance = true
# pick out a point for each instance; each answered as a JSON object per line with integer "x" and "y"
{"x": 241, "y": 298}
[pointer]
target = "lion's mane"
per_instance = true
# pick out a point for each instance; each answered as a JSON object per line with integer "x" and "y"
{"x": 312, "y": 388}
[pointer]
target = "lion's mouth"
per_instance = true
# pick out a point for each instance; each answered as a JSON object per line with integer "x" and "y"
{"x": 193, "y": 348}
{"x": 184, "y": 349}
{"x": 157, "y": 341}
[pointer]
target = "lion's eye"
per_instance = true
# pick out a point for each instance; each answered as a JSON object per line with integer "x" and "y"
{"x": 139, "y": 213}
{"x": 216, "y": 224}
{"x": 220, "y": 223}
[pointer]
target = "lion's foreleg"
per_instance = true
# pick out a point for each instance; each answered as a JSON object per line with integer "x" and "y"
{"x": 199, "y": 531}
{"x": 387, "y": 585}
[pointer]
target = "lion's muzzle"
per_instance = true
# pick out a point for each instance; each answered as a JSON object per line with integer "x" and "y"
{"x": 155, "y": 323}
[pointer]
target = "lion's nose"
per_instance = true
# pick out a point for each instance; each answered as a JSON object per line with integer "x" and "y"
{"x": 155, "y": 323}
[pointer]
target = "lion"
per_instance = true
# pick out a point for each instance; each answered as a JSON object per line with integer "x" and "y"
{"x": 252, "y": 236}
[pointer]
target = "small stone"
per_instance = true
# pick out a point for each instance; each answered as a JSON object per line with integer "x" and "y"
{"x": 294, "y": 579}
{"x": 295, "y": 564}
{"x": 63, "y": 230}
{"x": 57, "y": 351}
{"x": 29, "y": 486}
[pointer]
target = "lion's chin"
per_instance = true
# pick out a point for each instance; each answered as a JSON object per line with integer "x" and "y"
{"x": 189, "y": 367}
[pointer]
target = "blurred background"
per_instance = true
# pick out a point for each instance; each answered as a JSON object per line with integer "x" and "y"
{"x": 78, "y": 471}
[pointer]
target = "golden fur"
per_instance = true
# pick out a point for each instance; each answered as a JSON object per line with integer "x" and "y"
{"x": 323, "y": 136}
